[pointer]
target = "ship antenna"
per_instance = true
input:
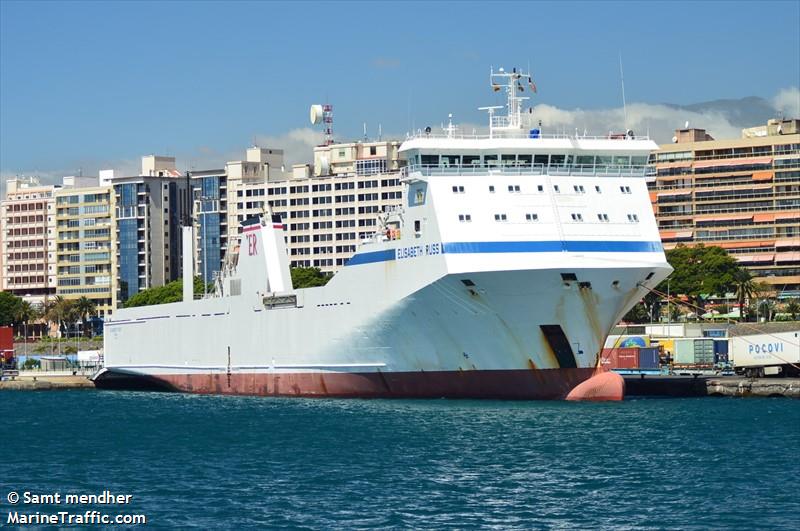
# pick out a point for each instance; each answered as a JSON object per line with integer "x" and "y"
{"x": 622, "y": 81}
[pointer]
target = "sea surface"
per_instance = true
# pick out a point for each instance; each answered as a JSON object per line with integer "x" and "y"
{"x": 240, "y": 462}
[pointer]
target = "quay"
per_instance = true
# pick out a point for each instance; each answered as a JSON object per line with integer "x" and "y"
{"x": 694, "y": 386}
{"x": 44, "y": 380}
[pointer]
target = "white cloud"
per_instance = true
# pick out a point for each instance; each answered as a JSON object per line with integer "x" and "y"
{"x": 787, "y": 102}
{"x": 297, "y": 145}
{"x": 659, "y": 121}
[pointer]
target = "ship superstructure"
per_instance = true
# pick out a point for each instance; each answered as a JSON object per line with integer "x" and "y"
{"x": 512, "y": 257}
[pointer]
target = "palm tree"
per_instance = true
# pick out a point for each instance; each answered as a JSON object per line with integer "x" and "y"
{"x": 60, "y": 311}
{"x": 24, "y": 313}
{"x": 85, "y": 308}
{"x": 745, "y": 287}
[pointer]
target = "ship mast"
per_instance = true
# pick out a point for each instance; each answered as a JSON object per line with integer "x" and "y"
{"x": 512, "y": 83}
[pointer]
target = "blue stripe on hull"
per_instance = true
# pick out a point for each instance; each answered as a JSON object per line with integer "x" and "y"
{"x": 578, "y": 246}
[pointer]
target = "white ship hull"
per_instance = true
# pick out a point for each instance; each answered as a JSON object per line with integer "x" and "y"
{"x": 442, "y": 339}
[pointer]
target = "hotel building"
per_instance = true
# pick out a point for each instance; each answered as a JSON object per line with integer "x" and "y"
{"x": 741, "y": 194}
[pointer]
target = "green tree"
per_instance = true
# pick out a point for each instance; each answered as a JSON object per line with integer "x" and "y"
{"x": 745, "y": 287}
{"x": 308, "y": 277}
{"x": 25, "y": 314}
{"x": 793, "y": 308}
{"x": 9, "y": 308}
{"x": 172, "y": 292}
{"x": 700, "y": 270}
{"x": 85, "y": 308}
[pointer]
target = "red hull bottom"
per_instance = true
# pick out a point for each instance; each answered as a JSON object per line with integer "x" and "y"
{"x": 546, "y": 384}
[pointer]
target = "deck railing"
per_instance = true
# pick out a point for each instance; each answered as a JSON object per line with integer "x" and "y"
{"x": 576, "y": 170}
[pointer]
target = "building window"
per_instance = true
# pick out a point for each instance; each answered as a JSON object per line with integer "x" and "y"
{"x": 464, "y": 218}
{"x": 603, "y": 217}
{"x": 500, "y": 217}
{"x": 577, "y": 217}
{"x": 531, "y": 217}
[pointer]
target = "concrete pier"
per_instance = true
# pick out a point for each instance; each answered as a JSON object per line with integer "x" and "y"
{"x": 46, "y": 382}
{"x": 688, "y": 386}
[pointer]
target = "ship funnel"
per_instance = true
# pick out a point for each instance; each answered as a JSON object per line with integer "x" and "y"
{"x": 263, "y": 261}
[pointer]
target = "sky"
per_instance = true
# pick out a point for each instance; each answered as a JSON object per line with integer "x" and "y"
{"x": 92, "y": 85}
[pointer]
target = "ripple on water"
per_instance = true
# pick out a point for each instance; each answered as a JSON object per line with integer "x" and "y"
{"x": 205, "y": 461}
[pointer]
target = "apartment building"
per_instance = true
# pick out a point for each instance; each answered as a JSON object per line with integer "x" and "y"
{"x": 740, "y": 194}
{"x": 330, "y": 208}
{"x": 27, "y": 225}
{"x": 210, "y": 220}
{"x": 327, "y": 207}
{"x": 149, "y": 211}
{"x": 85, "y": 228}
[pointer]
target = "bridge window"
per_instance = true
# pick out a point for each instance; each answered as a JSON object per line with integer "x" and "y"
{"x": 557, "y": 160}
{"x": 471, "y": 160}
{"x": 525, "y": 160}
{"x": 490, "y": 160}
{"x": 541, "y": 159}
{"x": 430, "y": 160}
{"x": 451, "y": 160}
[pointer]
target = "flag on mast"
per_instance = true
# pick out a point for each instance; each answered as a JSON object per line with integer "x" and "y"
{"x": 532, "y": 85}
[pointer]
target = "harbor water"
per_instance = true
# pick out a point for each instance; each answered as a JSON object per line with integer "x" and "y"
{"x": 210, "y": 461}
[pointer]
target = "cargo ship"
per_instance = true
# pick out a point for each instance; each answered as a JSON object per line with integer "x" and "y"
{"x": 512, "y": 257}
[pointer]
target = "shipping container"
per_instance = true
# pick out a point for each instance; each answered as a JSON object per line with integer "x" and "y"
{"x": 704, "y": 351}
{"x": 766, "y": 350}
{"x": 721, "y": 350}
{"x": 648, "y": 358}
{"x": 6, "y": 338}
{"x": 684, "y": 352}
{"x": 619, "y": 358}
